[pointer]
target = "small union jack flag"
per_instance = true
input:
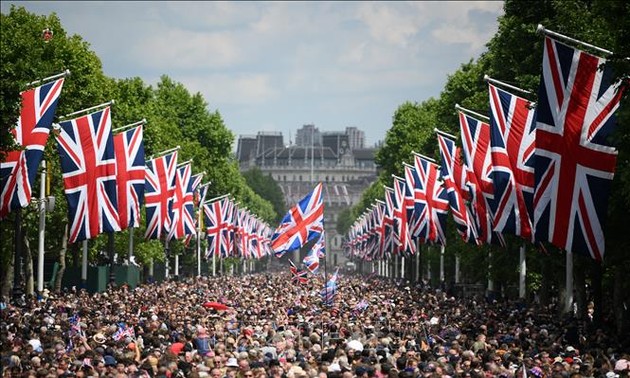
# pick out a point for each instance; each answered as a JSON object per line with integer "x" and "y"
{"x": 18, "y": 171}
{"x": 575, "y": 161}
{"x": 453, "y": 174}
{"x": 86, "y": 148}
{"x": 403, "y": 208}
{"x": 130, "y": 175}
{"x": 182, "y": 212}
{"x": 298, "y": 276}
{"x": 436, "y": 199}
{"x": 303, "y": 222}
{"x": 158, "y": 194}
{"x": 218, "y": 218}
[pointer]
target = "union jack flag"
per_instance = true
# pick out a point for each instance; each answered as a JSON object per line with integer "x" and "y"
{"x": 298, "y": 276}
{"x": 512, "y": 136}
{"x": 18, "y": 171}
{"x": 389, "y": 235}
{"x": 302, "y": 223}
{"x": 360, "y": 307}
{"x": 158, "y": 194}
{"x": 419, "y": 219}
{"x": 575, "y": 161}
{"x": 130, "y": 175}
{"x": 182, "y": 209}
{"x": 475, "y": 142}
{"x": 436, "y": 198}
{"x": 329, "y": 292}
{"x": 86, "y": 148}
{"x": 311, "y": 260}
{"x": 453, "y": 174}
{"x": 402, "y": 210}
{"x": 123, "y": 332}
{"x": 218, "y": 216}
{"x": 379, "y": 228}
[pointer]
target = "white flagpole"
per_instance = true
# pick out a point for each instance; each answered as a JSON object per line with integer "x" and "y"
{"x": 568, "y": 302}
{"x": 103, "y": 105}
{"x": 42, "y": 229}
{"x": 84, "y": 265}
{"x": 541, "y": 29}
{"x": 166, "y": 152}
{"x": 522, "y": 272}
{"x": 506, "y": 85}
{"x": 471, "y": 112}
{"x": 143, "y": 121}
{"x": 441, "y": 264}
{"x": 47, "y": 79}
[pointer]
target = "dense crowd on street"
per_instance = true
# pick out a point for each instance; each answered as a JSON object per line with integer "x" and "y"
{"x": 274, "y": 328}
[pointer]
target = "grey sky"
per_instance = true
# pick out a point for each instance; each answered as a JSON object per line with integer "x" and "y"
{"x": 274, "y": 66}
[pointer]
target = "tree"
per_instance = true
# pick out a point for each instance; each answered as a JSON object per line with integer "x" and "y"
{"x": 267, "y": 188}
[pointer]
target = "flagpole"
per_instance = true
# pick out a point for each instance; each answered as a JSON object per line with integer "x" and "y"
{"x": 568, "y": 298}
{"x": 84, "y": 265}
{"x": 18, "y": 261}
{"x": 472, "y": 112}
{"x": 522, "y": 274}
{"x": 425, "y": 157}
{"x": 179, "y": 165}
{"x": 199, "y": 218}
{"x": 42, "y": 229}
{"x": 47, "y": 79}
{"x": 444, "y": 133}
{"x": 166, "y": 152}
{"x": 506, "y": 85}
{"x": 217, "y": 198}
{"x": 103, "y": 105}
{"x": 541, "y": 29}
{"x": 143, "y": 121}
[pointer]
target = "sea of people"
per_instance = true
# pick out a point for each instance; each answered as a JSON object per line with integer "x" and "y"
{"x": 264, "y": 325}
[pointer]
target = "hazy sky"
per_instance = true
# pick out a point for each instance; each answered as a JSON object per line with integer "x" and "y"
{"x": 274, "y": 66}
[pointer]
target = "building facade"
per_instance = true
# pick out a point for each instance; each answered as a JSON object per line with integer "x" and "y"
{"x": 344, "y": 171}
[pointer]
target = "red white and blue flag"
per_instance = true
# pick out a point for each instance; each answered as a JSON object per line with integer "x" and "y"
{"x": 86, "y": 148}
{"x": 218, "y": 217}
{"x": 453, "y": 174}
{"x": 298, "y": 276}
{"x": 418, "y": 222}
{"x": 436, "y": 199}
{"x": 311, "y": 260}
{"x": 575, "y": 161}
{"x": 130, "y": 175}
{"x": 329, "y": 292}
{"x": 182, "y": 209}
{"x": 403, "y": 209}
{"x": 18, "y": 171}
{"x": 302, "y": 223}
{"x": 158, "y": 194}
{"x": 476, "y": 147}
{"x": 512, "y": 137}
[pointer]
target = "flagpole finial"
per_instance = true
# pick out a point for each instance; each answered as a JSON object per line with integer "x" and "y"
{"x": 486, "y": 78}
{"x": 540, "y": 29}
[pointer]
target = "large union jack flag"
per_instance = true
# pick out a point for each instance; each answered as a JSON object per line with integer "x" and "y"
{"x": 302, "y": 223}
{"x": 575, "y": 161}
{"x": 130, "y": 175}
{"x": 158, "y": 194}
{"x": 182, "y": 209}
{"x": 453, "y": 174}
{"x": 436, "y": 199}
{"x": 512, "y": 136}
{"x": 218, "y": 217}
{"x": 86, "y": 148}
{"x": 476, "y": 143}
{"x": 18, "y": 171}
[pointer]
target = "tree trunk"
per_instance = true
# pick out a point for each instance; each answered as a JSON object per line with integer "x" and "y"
{"x": 28, "y": 264}
{"x": 62, "y": 260}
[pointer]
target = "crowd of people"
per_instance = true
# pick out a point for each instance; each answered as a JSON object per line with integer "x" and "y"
{"x": 263, "y": 325}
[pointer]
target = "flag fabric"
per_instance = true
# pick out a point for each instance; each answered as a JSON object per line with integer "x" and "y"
{"x": 18, "y": 171}
{"x": 575, "y": 161}
{"x": 130, "y": 175}
{"x": 436, "y": 198}
{"x": 388, "y": 224}
{"x": 218, "y": 216}
{"x": 302, "y": 223}
{"x": 311, "y": 260}
{"x": 512, "y": 137}
{"x": 476, "y": 142}
{"x": 329, "y": 292}
{"x": 452, "y": 172}
{"x": 123, "y": 332}
{"x": 361, "y": 306}
{"x": 88, "y": 163}
{"x": 298, "y": 276}
{"x": 158, "y": 194}
{"x": 182, "y": 212}
{"x": 418, "y": 223}
{"x": 403, "y": 207}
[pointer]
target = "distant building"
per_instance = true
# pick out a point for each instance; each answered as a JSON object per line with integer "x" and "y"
{"x": 339, "y": 161}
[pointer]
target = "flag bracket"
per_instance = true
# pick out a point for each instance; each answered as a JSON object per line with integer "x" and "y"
{"x": 472, "y": 112}
{"x": 542, "y": 30}
{"x": 103, "y": 105}
{"x": 47, "y": 79}
{"x": 143, "y": 122}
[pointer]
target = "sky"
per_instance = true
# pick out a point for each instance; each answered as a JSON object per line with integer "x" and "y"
{"x": 275, "y": 66}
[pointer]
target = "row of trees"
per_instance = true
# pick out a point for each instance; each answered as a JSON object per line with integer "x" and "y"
{"x": 514, "y": 55}
{"x": 174, "y": 117}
